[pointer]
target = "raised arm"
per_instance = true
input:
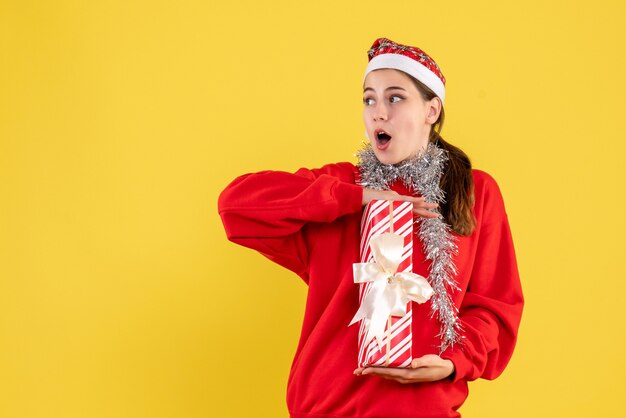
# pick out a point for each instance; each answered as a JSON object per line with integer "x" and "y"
{"x": 267, "y": 211}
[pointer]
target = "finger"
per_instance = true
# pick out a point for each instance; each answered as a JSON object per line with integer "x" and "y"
{"x": 425, "y": 205}
{"x": 403, "y": 376}
{"x": 400, "y": 197}
{"x": 387, "y": 372}
{"x": 422, "y": 200}
{"x": 428, "y": 205}
{"x": 425, "y": 213}
{"x": 418, "y": 201}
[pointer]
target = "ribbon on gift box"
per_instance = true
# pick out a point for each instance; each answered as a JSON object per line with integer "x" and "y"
{"x": 390, "y": 291}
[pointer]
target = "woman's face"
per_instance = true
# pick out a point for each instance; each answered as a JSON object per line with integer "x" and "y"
{"x": 397, "y": 119}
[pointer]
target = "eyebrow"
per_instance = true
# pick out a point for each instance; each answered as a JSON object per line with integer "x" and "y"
{"x": 388, "y": 88}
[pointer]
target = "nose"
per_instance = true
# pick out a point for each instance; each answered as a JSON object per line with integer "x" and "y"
{"x": 380, "y": 111}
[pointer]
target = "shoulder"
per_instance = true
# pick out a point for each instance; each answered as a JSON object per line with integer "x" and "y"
{"x": 484, "y": 183}
{"x": 488, "y": 200}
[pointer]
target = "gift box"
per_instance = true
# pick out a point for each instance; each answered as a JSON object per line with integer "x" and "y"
{"x": 387, "y": 285}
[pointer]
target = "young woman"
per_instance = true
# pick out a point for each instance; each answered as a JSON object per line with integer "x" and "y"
{"x": 309, "y": 222}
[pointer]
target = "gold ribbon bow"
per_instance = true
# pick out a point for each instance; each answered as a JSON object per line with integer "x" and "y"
{"x": 390, "y": 291}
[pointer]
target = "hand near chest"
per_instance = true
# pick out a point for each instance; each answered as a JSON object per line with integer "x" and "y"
{"x": 420, "y": 206}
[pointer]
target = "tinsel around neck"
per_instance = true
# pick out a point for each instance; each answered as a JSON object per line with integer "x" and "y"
{"x": 422, "y": 172}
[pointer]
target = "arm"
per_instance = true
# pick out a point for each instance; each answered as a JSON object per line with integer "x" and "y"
{"x": 492, "y": 307}
{"x": 267, "y": 211}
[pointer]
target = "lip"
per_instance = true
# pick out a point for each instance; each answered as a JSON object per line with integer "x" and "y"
{"x": 378, "y": 130}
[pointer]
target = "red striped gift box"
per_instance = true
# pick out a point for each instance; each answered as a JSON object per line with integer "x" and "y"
{"x": 379, "y": 217}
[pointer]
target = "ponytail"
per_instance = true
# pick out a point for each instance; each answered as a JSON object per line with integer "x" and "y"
{"x": 457, "y": 181}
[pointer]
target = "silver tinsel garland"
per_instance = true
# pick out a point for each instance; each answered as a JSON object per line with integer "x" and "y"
{"x": 422, "y": 175}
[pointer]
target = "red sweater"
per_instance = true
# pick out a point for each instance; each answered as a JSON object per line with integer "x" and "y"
{"x": 309, "y": 222}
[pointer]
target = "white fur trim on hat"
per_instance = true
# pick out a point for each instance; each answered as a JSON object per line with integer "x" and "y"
{"x": 409, "y": 66}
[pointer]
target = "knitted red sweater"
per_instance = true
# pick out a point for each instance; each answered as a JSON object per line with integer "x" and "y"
{"x": 309, "y": 222}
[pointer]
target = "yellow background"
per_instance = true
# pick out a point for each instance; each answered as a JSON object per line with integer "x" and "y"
{"x": 121, "y": 121}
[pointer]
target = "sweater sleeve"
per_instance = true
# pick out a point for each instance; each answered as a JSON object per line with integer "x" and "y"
{"x": 266, "y": 211}
{"x": 491, "y": 309}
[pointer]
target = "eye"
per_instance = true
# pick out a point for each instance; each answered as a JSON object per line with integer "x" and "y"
{"x": 368, "y": 101}
{"x": 394, "y": 99}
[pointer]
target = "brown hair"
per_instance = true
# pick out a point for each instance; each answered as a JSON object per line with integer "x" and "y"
{"x": 457, "y": 181}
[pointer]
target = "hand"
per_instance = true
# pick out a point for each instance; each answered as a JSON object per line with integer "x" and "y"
{"x": 428, "y": 368}
{"x": 420, "y": 206}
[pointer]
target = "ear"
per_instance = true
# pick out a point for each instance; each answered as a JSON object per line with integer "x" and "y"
{"x": 434, "y": 109}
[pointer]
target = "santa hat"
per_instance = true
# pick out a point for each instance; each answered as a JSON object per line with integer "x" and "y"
{"x": 385, "y": 53}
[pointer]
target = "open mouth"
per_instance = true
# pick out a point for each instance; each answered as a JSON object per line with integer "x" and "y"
{"x": 382, "y": 137}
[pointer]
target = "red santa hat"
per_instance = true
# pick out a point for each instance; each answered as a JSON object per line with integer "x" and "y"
{"x": 385, "y": 53}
